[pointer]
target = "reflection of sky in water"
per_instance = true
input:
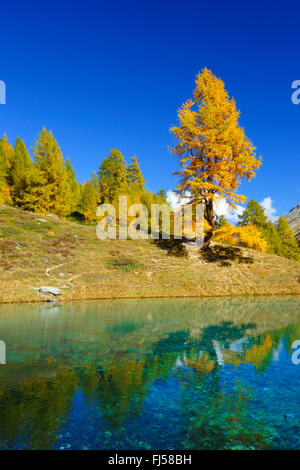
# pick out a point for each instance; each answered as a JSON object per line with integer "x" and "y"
{"x": 163, "y": 374}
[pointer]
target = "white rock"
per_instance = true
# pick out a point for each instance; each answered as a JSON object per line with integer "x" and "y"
{"x": 50, "y": 290}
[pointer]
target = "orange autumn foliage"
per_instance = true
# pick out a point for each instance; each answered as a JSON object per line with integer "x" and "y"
{"x": 247, "y": 235}
{"x": 213, "y": 150}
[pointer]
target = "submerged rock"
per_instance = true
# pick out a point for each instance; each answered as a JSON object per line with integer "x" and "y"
{"x": 48, "y": 299}
{"x": 50, "y": 290}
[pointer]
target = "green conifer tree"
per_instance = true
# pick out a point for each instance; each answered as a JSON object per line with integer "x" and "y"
{"x": 6, "y": 157}
{"x": 49, "y": 190}
{"x": 162, "y": 195}
{"x": 289, "y": 246}
{"x": 89, "y": 202}
{"x": 134, "y": 175}
{"x": 21, "y": 172}
{"x": 73, "y": 189}
{"x": 95, "y": 183}
{"x": 220, "y": 221}
{"x": 7, "y": 150}
{"x": 112, "y": 176}
{"x": 253, "y": 214}
{"x": 3, "y": 166}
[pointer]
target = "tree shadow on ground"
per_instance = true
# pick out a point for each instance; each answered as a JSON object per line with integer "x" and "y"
{"x": 172, "y": 246}
{"x": 226, "y": 253}
{"x": 223, "y": 254}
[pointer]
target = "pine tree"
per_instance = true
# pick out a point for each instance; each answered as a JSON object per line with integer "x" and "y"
{"x": 289, "y": 246}
{"x": 20, "y": 174}
{"x": 89, "y": 202}
{"x": 134, "y": 175}
{"x": 6, "y": 156}
{"x": 219, "y": 221}
{"x": 271, "y": 235}
{"x": 253, "y": 214}
{"x": 3, "y": 167}
{"x": 162, "y": 196}
{"x": 49, "y": 190}
{"x": 95, "y": 183}
{"x": 212, "y": 148}
{"x": 7, "y": 150}
{"x": 112, "y": 176}
{"x": 73, "y": 189}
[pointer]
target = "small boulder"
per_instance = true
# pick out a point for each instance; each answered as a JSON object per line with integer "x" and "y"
{"x": 50, "y": 290}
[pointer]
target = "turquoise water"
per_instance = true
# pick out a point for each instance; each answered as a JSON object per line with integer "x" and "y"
{"x": 151, "y": 374}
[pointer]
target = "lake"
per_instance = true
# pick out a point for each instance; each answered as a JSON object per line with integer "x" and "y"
{"x": 214, "y": 373}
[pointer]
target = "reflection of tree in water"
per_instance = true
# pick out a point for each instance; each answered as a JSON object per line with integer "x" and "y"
{"x": 294, "y": 335}
{"x": 257, "y": 351}
{"x": 217, "y": 419}
{"x": 31, "y": 410}
{"x": 122, "y": 385}
{"x": 220, "y": 418}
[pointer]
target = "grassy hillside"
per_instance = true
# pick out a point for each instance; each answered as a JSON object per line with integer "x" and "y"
{"x": 38, "y": 250}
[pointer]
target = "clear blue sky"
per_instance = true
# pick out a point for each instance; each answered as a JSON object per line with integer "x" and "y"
{"x": 107, "y": 75}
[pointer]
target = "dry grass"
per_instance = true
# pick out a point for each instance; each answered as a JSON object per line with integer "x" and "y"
{"x": 83, "y": 267}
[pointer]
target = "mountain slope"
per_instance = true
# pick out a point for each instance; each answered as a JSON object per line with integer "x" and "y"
{"x": 40, "y": 250}
{"x": 293, "y": 218}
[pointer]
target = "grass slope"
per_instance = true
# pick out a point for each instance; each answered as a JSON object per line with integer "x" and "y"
{"x": 38, "y": 250}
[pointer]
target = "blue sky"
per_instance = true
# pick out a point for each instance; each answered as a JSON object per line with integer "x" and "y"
{"x": 107, "y": 75}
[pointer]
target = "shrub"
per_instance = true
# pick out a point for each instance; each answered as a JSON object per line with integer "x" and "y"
{"x": 123, "y": 263}
{"x": 246, "y": 235}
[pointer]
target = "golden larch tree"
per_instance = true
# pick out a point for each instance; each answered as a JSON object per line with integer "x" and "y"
{"x": 213, "y": 150}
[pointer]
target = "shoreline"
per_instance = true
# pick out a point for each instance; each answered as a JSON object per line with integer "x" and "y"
{"x": 97, "y": 299}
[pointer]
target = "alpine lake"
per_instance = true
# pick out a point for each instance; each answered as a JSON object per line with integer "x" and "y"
{"x": 206, "y": 373}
